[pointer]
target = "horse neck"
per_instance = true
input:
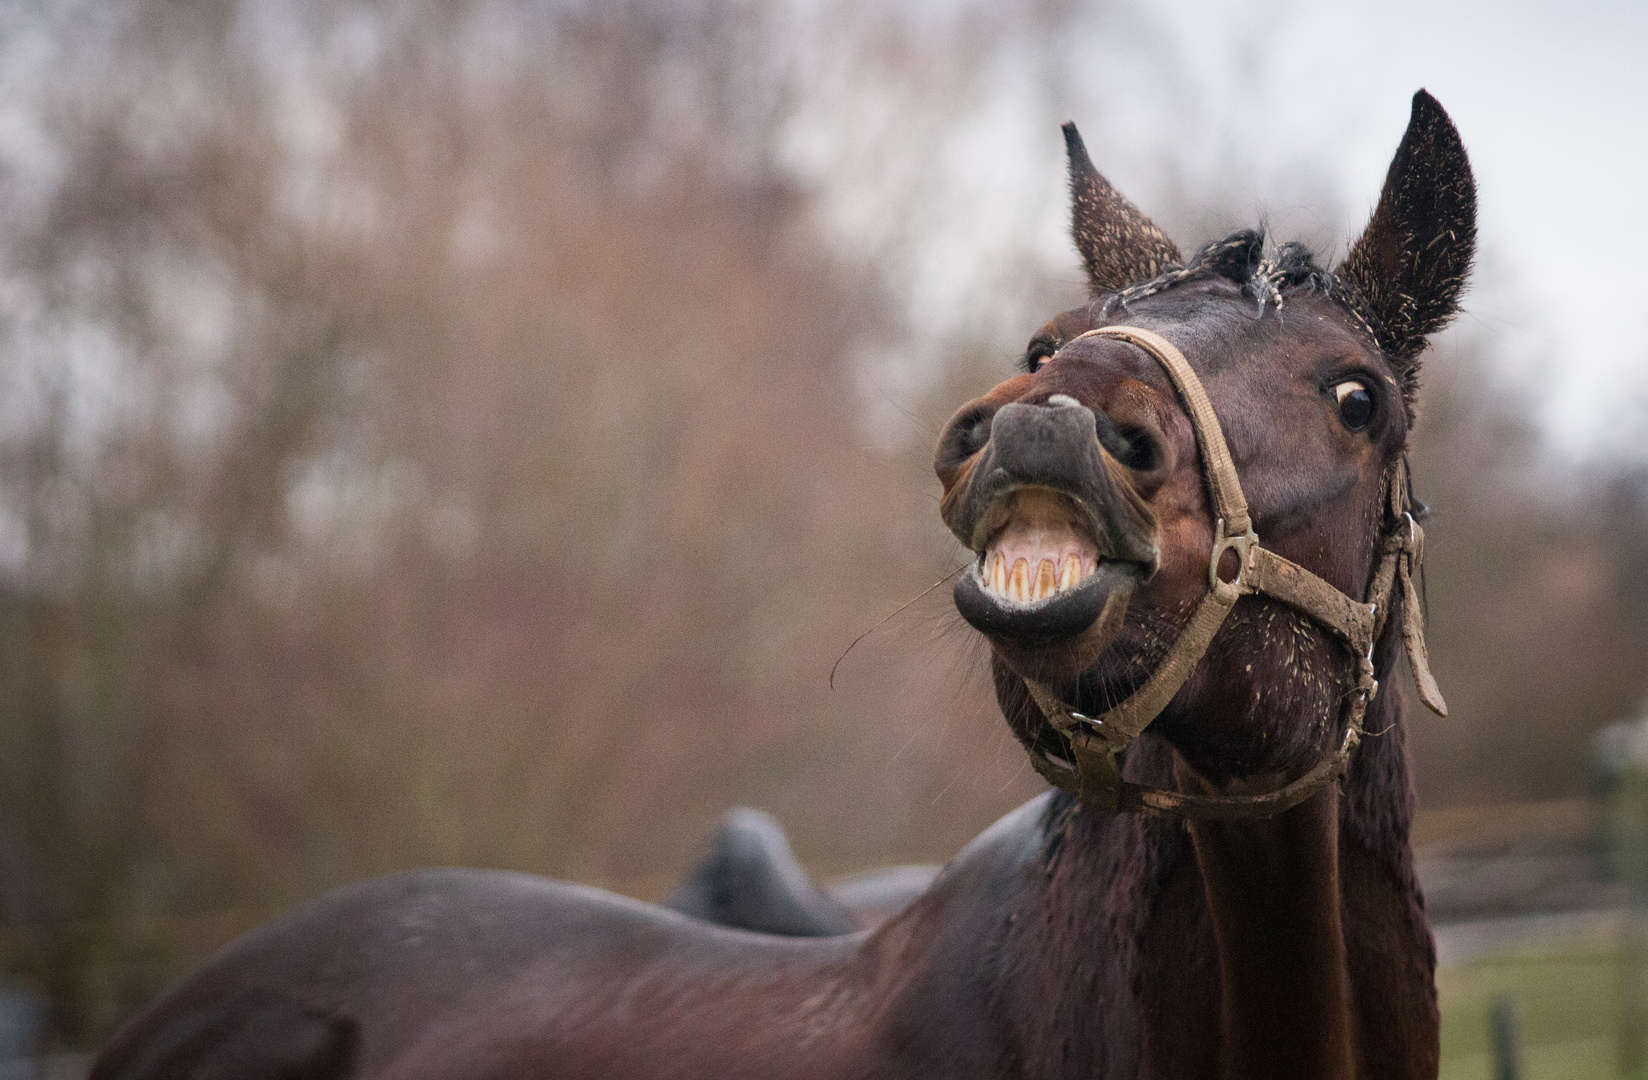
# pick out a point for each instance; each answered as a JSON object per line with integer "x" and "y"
{"x": 1289, "y": 947}
{"x": 1272, "y": 890}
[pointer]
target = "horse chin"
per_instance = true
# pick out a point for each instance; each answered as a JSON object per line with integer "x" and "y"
{"x": 1060, "y": 636}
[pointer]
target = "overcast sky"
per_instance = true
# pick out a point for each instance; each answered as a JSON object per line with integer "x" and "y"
{"x": 1265, "y": 113}
{"x": 1552, "y": 101}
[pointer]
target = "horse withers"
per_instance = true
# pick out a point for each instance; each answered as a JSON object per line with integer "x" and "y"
{"x": 1194, "y": 554}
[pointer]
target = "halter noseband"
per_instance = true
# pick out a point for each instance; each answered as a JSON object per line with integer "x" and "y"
{"x": 1094, "y": 775}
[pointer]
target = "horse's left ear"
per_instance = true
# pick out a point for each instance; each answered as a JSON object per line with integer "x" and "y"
{"x": 1411, "y": 262}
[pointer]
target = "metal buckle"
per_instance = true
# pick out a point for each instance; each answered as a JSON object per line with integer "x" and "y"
{"x": 1416, "y": 541}
{"x": 1366, "y": 684}
{"x": 1243, "y": 544}
{"x": 1095, "y": 728}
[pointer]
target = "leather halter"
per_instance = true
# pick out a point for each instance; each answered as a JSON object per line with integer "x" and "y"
{"x": 1094, "y": 774}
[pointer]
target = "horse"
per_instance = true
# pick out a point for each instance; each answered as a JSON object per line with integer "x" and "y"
{"x": 1194, "y": 554}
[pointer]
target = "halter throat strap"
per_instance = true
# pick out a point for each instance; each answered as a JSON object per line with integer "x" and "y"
{"x": 1093, "y": 772}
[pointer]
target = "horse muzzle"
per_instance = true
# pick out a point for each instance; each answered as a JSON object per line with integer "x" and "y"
{"x": 1061, "y": 537}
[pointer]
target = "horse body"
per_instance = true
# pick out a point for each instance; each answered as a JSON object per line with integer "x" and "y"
{"x": 1068, "y": 940}
{"x": 458, "y": 973}
{"x": 1059, "y": 943}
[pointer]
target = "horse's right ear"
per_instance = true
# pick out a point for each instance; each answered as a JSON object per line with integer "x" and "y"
{"x": 1119, "y": 246}
{"x": 1411, "y": 262}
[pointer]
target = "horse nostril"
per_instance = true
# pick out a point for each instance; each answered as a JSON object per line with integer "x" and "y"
{"x": 1140, "y": 451}
{"x": 965, "y": 435}
{"x": 973, "y": 435}
{"x": 1145, "y": 453}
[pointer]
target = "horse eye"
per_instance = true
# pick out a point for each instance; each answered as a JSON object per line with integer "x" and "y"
{"x": 1356, "y": 405}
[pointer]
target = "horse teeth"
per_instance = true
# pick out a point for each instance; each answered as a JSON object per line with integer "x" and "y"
{"x": 1046, "y": 580}
{"x": 1018, "y": 581}
{"x": 1025, "y": 582}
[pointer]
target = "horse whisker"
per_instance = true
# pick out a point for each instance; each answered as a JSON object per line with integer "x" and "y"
{"x": 889, "y": 618}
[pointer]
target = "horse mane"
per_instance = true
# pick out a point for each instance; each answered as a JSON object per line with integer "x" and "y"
{"x": 1240, "y": 258}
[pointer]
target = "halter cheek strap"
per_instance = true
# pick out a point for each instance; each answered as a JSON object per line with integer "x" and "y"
{"x": 1093, "y": 772}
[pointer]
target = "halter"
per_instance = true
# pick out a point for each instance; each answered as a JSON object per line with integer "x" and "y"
{"x": 1093, "y": 773}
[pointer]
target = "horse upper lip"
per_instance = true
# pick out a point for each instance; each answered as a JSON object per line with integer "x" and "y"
{"x": 997, "y": 493}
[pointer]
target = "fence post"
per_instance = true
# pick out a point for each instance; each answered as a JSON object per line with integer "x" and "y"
{"x": 1507, "y": 1040}
{"x": 1633, "y": 953}
{"x": 1619, "y": 780}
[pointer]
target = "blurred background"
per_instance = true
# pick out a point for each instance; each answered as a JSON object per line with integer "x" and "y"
{"x": 450, "y": 432}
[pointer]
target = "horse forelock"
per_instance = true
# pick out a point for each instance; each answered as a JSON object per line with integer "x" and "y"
{"x": 1269, "y": 279}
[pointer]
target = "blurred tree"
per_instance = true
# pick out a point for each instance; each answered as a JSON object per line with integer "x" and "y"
{"x": 431, "y": 438}
{"x": 1538, "y": 620}
{"x": 461, "y": 433}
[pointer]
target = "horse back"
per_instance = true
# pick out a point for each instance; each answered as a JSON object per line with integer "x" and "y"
{"x": 477, "y": 973}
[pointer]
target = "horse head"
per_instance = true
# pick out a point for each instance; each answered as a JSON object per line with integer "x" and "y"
{"x": 1085, "y": 489}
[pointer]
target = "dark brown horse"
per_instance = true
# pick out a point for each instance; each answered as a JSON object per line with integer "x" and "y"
{"x": 1073, "y": 938}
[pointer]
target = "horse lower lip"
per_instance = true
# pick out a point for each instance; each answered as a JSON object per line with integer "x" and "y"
{"x": 1066, "y": 613}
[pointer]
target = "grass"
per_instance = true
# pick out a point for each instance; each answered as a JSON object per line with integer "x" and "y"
{"x": 1567, "y": 1004}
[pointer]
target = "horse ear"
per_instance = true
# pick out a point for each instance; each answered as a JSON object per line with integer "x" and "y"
{"x": 1119, "y": 246}
{"x": 1411, "y": 262}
